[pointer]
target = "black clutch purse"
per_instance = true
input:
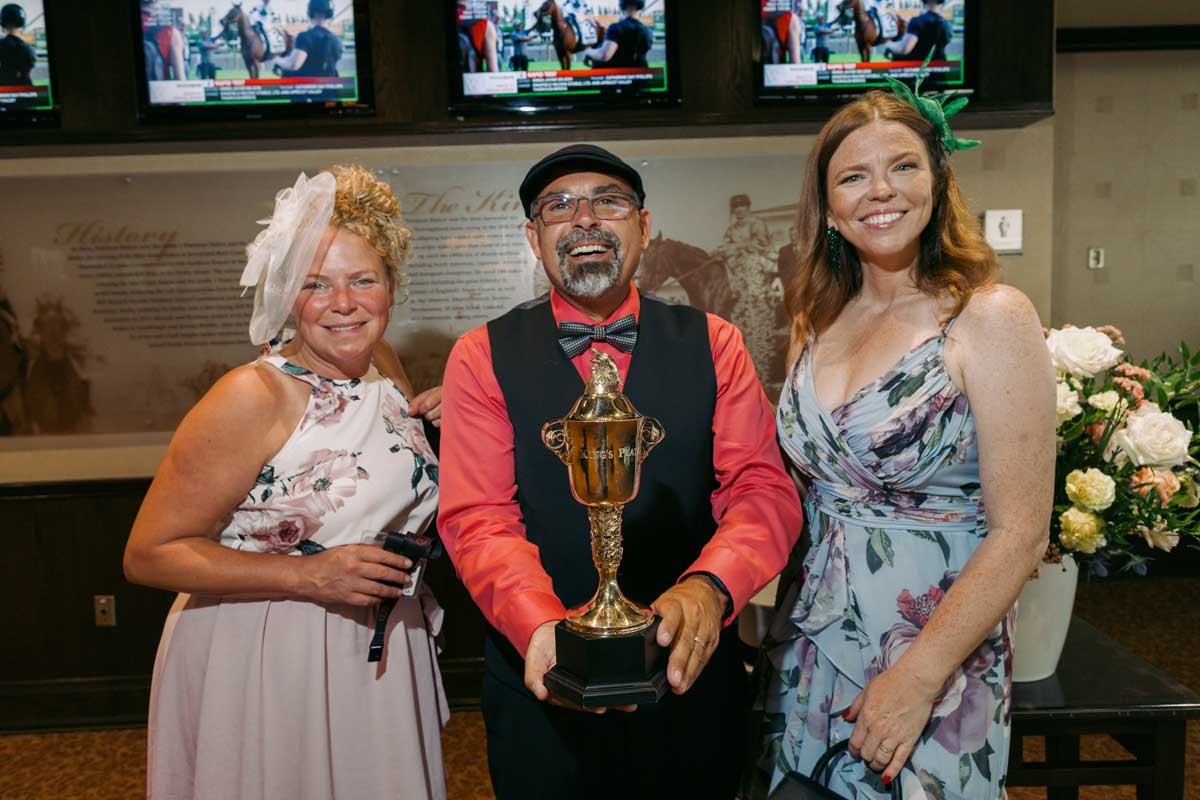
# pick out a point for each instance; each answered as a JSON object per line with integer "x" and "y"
{"x": 813, "y": 787}
{"x": 416, "y": 548}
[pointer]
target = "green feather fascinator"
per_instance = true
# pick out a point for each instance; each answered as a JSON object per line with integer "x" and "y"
{"x": 937, "y": 107}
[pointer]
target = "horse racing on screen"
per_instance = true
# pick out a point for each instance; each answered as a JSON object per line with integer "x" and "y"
{"x": 837, "y": 45}
{"x": 24, "y": 57}
{"x": 256, "y": 52}
{"x": 563, "y": 48}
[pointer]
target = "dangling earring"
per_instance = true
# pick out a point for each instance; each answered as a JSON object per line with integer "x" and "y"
{"x": 833, "y": 241}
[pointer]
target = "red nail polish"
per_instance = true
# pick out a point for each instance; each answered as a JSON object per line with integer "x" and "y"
{"x": 887, "y": 779}
{"x": 846, "y": 714}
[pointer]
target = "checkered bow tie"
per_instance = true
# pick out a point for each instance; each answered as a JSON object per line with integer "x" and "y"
{"x": 575, "y": 337}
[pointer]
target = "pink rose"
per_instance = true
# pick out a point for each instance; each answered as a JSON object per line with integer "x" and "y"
{"x": 394, "y": 413}
{"x": 967, "y": 703}
{"x": 1096, "y": 430}
{"x": 327, "y": 406}
{"x": 1162, "y": 481}
{"x": 325, "y": 481}
{"x": 397, "y": 421}
{"x": 894, "y": 643}
{"x": 276, "y": 530}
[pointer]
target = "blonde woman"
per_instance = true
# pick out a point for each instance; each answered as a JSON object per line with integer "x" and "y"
{"x": 262, "y": 685}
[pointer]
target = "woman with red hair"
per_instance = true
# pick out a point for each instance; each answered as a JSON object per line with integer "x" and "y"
{"x": 919, "y": 393}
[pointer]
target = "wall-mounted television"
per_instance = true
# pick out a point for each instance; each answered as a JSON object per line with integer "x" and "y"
{"x": 554, "y": 55}
{"x": 826, "y": 48}
{"x": 26, "y": 94}
{"x": 254, "y": 58}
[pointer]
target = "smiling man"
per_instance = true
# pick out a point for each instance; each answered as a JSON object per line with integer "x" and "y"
{"x": 713, "y": 521}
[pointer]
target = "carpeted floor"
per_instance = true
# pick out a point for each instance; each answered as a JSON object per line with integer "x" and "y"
{"x": 1158, "y": 619}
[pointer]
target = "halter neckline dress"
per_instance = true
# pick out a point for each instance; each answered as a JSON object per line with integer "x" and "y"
{"x": 275, "y": 698}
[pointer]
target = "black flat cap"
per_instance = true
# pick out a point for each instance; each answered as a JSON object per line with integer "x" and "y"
{"x": 576, "y": 158}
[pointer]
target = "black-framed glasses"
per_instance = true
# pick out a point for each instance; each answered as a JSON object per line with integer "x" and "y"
{"x": 563, "y": 206}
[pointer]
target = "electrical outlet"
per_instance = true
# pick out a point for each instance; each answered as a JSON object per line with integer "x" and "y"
{"x": 1095, "y": 258}
{"x": 105, "y": 606}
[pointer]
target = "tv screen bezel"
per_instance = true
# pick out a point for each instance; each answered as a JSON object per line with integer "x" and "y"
{"x": 835, "y": 96}
{"x": 39, "y": 118}
{"x": 364, "y": 73}
{"x": 534, "y": 104}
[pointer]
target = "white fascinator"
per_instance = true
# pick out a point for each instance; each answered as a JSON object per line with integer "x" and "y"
{"x": 279, "y": 258}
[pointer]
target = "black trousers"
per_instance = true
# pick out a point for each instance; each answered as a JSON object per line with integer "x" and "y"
{"x": 685, "y": 746}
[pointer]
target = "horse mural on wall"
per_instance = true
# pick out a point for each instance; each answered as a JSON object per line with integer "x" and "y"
{"x": 58, "y": 395}
{"x": 567, "y": 40}
{"x": 14, "y": 368}
{"x": 867, "y": 33}
{"x": 701, "y": 274}
{"x": 255, "y": 49}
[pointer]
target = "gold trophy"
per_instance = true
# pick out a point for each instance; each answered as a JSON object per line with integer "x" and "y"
{"x": 607, "y": 653}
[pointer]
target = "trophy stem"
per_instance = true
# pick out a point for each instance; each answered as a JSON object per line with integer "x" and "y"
{"x": 609, "y": 613}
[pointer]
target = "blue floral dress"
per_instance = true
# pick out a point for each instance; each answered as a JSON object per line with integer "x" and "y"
{"x": 895, "y": 513}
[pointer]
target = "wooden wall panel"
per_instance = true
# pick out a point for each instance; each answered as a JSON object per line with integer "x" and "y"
{"x": 62, "y": 545}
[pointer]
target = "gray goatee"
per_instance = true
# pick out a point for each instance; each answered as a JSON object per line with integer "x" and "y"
{"x": 594, "y": 278}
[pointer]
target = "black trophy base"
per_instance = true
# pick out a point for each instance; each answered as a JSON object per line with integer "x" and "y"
{"x": 603, "y": 671}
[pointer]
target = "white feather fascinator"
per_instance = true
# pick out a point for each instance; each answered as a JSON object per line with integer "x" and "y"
{"x": 280, "y": 257}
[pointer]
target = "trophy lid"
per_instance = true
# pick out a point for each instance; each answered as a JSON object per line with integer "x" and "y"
{"x": 605, "y": 378}
{"x": 602, "y": 399}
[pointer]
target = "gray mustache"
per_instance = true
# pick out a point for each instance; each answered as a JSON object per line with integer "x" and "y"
{"x": 577, "y": 237}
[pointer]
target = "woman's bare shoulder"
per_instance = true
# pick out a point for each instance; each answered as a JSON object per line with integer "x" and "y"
{"x": 998, "y": 329}
{"x": 254, "y": 397}
{"x": 995, "y": 309}
{"x": 997, "y": 302}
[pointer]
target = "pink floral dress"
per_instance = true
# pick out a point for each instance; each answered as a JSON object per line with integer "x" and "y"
{"x": 275, "y": 698}
{"x": 895, "y": 509}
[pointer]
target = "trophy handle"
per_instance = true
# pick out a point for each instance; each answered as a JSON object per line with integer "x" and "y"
{"x": 554, "y": 436}
{"x": 652, "y": 433}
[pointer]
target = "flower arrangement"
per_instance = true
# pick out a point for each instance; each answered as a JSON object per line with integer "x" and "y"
{"x": 1126, "y": 476}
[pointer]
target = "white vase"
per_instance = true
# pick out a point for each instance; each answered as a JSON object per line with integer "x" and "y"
{"x": 1043, "y": 616}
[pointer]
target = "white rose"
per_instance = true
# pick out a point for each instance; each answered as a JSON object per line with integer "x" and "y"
{"x": 1105, "y": 401}
{"x": 1082, "y": 352}
{"x": 1154, "y": 439}
{"x": 1067, "y": 403}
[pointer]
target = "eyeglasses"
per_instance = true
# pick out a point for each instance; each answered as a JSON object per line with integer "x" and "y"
{"x": 556, "y": 208}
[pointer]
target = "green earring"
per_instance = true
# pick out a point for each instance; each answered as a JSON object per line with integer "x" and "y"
{"x": 833, "y": 240}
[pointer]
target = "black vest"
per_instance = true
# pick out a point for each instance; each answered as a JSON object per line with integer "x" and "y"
{"x": 671, "y": 378}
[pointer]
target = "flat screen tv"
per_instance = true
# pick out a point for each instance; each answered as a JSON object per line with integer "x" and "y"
{"x": 26, "y": 95}
{"x": 827, "y": 48}
{"x": 254, "y": 58}
{"x": 553, "y": 55}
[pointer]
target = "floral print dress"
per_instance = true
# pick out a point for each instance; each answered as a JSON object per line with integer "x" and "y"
{"x": 895, "y": 511}
{"x": 275, "y": 698}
